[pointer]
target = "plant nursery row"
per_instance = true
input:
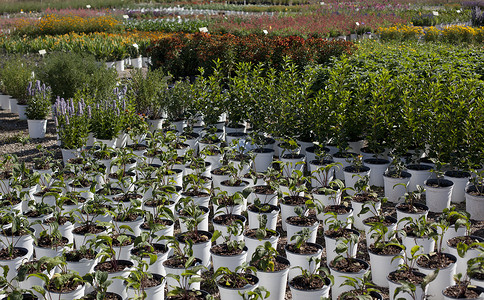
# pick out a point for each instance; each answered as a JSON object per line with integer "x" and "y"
{"x": 258, "y": 181}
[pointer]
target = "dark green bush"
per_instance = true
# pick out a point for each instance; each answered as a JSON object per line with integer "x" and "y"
{"x": 67, "y": 73}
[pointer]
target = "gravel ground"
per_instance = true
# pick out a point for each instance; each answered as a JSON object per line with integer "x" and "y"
{"x": 14, "y": 139}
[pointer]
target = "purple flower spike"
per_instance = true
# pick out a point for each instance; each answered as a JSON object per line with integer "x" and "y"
{"x": 89, "y": 111}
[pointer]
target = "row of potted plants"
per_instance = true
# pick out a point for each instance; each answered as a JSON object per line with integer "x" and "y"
{"x": 99, "y": 203}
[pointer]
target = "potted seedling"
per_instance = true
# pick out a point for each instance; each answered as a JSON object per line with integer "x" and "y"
{"x": 407, "y": 282}
{"x": 300, "y": 253}
{"x": 385, "y": 254}
{"x": 396, "y": 181}
{"x": 256, "y": 237}
{"x": 236, "y": 284}
{"x": 141, "y": 283}
{"x": 63, "y": 284}
{"x": 360, "y": 288}
{"x": 340, "y": 230}
{"x": 272, "y": 270}
{"x": 16, "y": 242}
{"x": 231, "y": 253}
{"x": 99, "y": 282}
{"x": 313, "y": 283}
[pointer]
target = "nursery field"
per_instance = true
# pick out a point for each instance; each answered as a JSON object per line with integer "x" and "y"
{"x": 276, "y": 149}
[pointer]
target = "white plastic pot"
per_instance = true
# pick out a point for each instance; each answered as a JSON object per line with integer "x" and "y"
{"x": 320, "y": 176}
{"x": 461, "y": 264}
{"x": 275, "y": 282}
{"x": 444, "y": 279}
{"x": 263, "y": 159}
{"x": 340, "y": 277}
{"x": 152, "y": 293}
{"x": 368, "y": 232}
{"x": 235, "y": 294}
{"x": 414, "y": 216}
{"x": 171, "y": 283}
{"x": 253, "y": 218}
{"x": 331, "y": 247}
{"x": 317, "y": 294}
{"x": 201, "y": 250}
{"x": 331, "y": 198}
{"x": 294, "y": 229}
{"x": 358, "y": 217}
{"x": 382, "y": 265}
{"x": 302, "y": 260}
{"x": 475, "y": 205}
{"x": 438, "y": 198}
{"x": 378, "y": 167}
{"x": 420, "y": 173}
{"x": 324, "y": 217}
{"x": 37, "y": 128}
{"x": 393, "y": 190}
{"x": 392, "y": 285}
{"x": 229, "y": 261}
{"x": 253, "y": 243}
{"x": 14, "y": 264}
{"x": 426, "y": 244}
{"x": 291, "y": 163}
{"x": 75, "y": 294}
{"x": 460, "y": 184}
{"x": 352, "y": 177}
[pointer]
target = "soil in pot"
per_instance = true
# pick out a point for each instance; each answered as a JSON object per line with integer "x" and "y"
{"x": 176, "y": 262}
{"x": 226, "y": 219}
{"x": 88, "y": 228}
{"x": 17, "y": 252}
{"x": 196, "y": 237}
{"x": 223, "y": 250}
{"x": 304, "y": 283}
{"x": 264, "y": 190}
{"x": 435, "y": 261}
{"x": 265, "y": 208}
{"x": 189, "y": 295}
{"x": 294, "y": 200}
{"x": 155, "y": 249}
{"x": 463, "y": 292}
{"x": 348, "y": 265}
{"x": 411, "y": 208}
{"x": 236, "y": 281}
{"x": 47, "y": 242}
{"x": 279, "y": 264}
{"x": 252, "y": 233}
{"x": 388, "y": 250}
{"x": 301, "y": 221}
{"x": 109, "y": 267}
{"x": 107, "y": 296}
{"x": 415, "y": 278}
{"x": 164, "y": 222}
{"x": 340, "y": 232}
{"x": 66, "y": 288}
{"x": 306, "y": 248}
{"x": 76, "y": 255}
{"x": 337, "y": 209}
